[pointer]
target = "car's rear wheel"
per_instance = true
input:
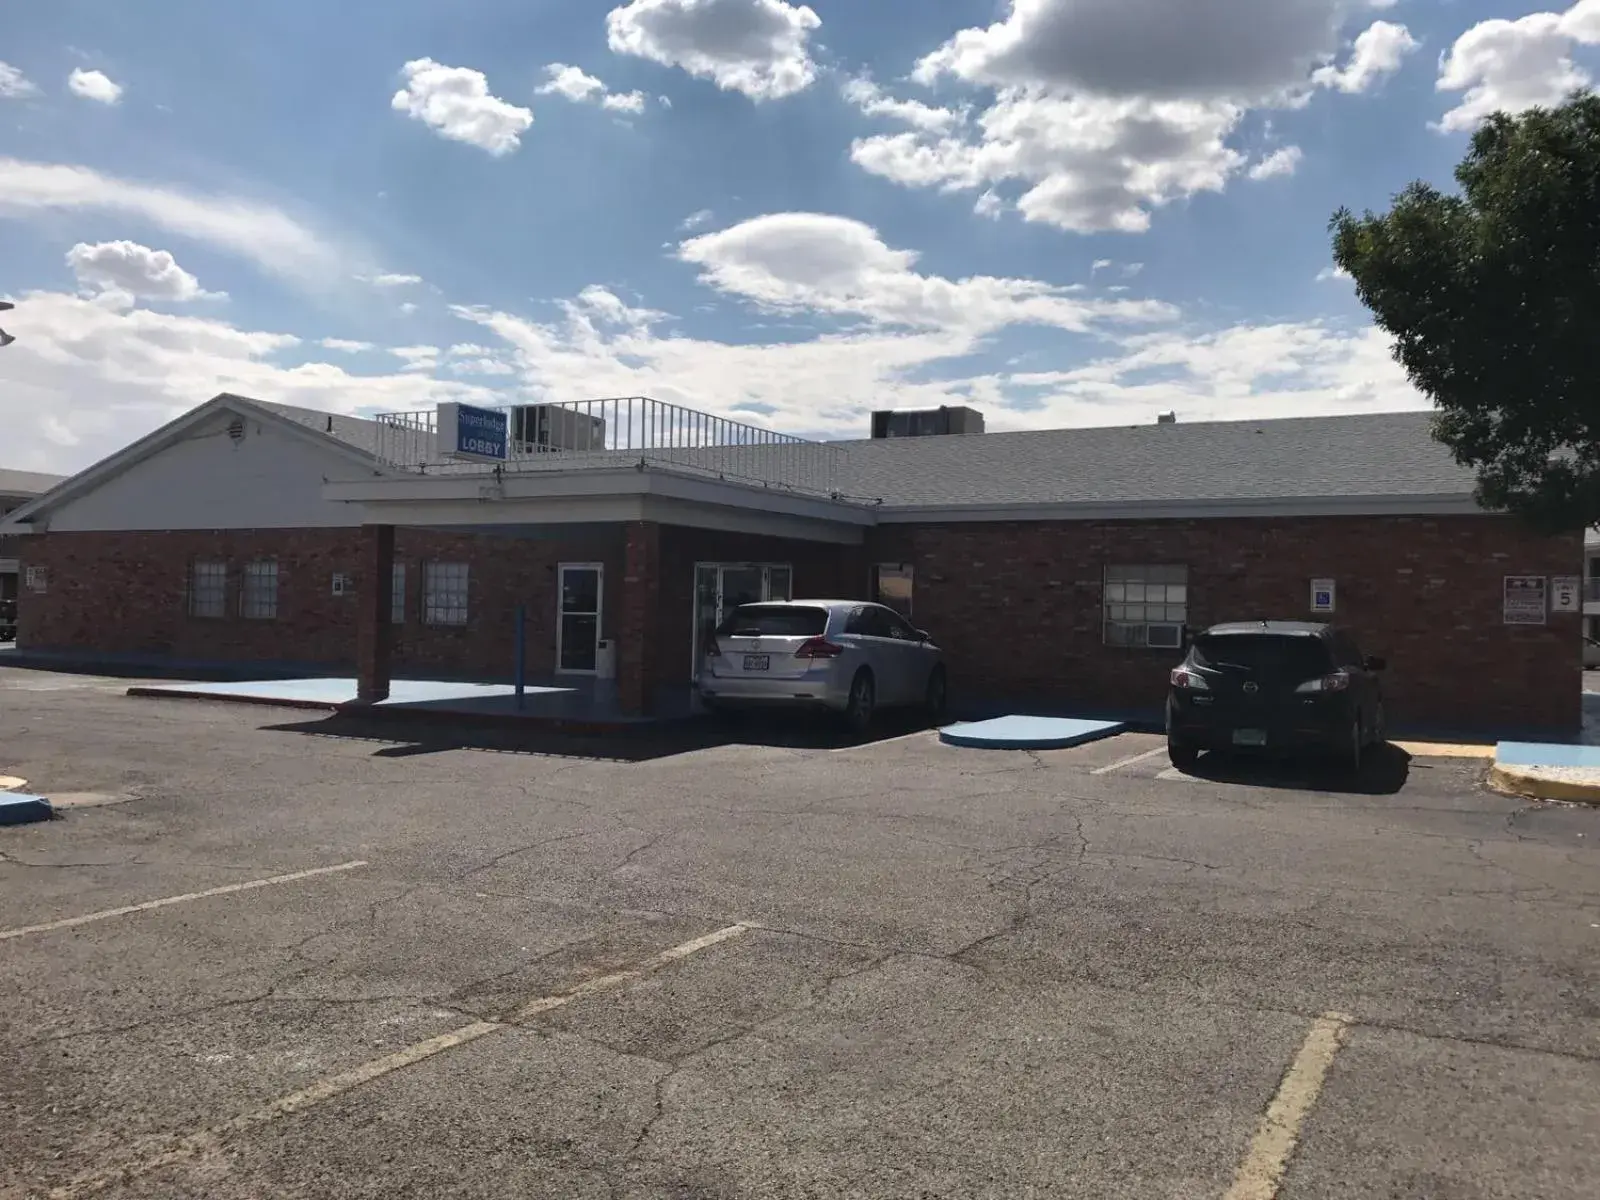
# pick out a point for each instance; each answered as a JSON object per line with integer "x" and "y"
{"x": 1183, "y": 754}
{"x": 862, "y": 704}
{"x": 937, "y": 695}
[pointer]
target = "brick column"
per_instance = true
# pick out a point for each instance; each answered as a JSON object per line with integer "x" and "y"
{"x": 638, "y": 625}
{"x": 374, "y": 632}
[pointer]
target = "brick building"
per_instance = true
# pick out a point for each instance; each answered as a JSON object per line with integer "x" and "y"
{"x": 1056, "y": 569}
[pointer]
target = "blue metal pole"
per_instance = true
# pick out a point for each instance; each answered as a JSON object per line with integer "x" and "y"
{"x": 522, "y": 638}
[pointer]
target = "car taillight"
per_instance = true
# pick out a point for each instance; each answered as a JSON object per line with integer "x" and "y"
{"x": 819, "y": 647}
{"x": 1189, "y": 680}
{"x": 1337, "y": 682}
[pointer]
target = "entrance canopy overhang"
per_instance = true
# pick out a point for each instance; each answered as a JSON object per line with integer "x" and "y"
{"x": 593, "y": 495}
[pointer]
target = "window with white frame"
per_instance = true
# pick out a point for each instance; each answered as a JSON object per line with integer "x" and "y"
{"x": 397, "y": 595}
{"x": 1146, "y": 606}
{"x": 208, "y": 589}
{"x": 258, "y": 590}
{"x": 444, "y": 593}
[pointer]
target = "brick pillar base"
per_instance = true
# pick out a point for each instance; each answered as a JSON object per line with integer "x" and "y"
{"x": 374, "y": 632}
{"x": 638, "y": 626}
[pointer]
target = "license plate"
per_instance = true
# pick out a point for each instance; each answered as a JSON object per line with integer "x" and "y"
{"x": 1249, "y": 737}
{"x": 758, "y": 662}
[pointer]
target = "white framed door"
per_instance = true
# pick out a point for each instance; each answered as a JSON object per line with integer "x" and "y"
{"x": 580, "y": 592}
{"x": 719, "y": 588}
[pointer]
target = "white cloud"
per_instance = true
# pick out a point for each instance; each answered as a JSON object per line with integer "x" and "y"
{"x": 990, "y": 204}
{"x": 1328, "y": 273}
{"x": 1311, "y": 368}
{"x": 135, "y": 271}
{"x": 1377, "y": 54}
{"x": 1510, "y": 66}
{"x": 1234, "y": 50}
{"x": 417, "y": 358}
{"x": 84, "y": 379}
{"x": 1108, "y": 110}
{"x": 573, "y": 83}
{"x": 812, "y": 262}
{"x": 94, "y": 85}
{"x": 14, "y": 85}
{"x": 757, "y": 47}
{"x": 389, "y": 280}
{"x": 457, "y": 103}
{"x": 1278, "y": 164}
{"x": 874, "y": 102}
{"x": 628, "y": 102}
{"x": 257, "y": 232}
{"x": 696, "y": 219}
{"x": 1093, "y": 164}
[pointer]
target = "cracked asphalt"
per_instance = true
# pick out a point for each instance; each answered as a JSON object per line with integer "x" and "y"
{"x": 965, "y": 974}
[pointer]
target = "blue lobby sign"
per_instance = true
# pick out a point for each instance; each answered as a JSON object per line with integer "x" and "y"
{"x": 468, "y": 432}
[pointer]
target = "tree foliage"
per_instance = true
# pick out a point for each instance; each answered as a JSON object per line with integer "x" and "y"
{"x": 1493, "y": 297}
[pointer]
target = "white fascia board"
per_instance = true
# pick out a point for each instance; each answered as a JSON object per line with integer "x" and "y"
{"x": 1450, "y": 504}
{"x": 495, "y": 496}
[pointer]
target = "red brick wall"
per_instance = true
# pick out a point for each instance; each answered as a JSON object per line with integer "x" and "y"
{"x": 126, "y": 593}
{"x": 1017, "y": 607}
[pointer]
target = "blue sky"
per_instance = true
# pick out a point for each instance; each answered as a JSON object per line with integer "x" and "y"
{"x": 1062, "y": 211}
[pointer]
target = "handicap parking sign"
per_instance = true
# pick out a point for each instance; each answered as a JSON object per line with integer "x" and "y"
{"x": 1322, "y": 595}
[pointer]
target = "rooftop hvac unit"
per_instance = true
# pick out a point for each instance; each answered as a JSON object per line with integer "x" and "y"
{"x": 544, "y": 428}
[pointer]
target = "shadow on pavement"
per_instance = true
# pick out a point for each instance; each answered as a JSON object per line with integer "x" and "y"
{"x": 1384, "y": 772}
{"x": 408, "y": 739}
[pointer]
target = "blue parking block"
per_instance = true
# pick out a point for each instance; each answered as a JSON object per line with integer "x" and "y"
{"x": 1028, "y": 733}
{"x": 1546, "y": 754}
{"x": 19, "y": 808}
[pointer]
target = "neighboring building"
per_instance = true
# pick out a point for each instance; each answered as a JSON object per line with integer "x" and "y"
{"x": 1057, "y": 568}
{"x": 16, "y": 489}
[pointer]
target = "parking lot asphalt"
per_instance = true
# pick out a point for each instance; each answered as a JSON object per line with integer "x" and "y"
{"x": 293, "y": 957}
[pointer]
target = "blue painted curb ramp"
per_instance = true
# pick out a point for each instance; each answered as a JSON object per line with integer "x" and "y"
{"x": 19, "y": 808}
{"x": 1028, "y": 733}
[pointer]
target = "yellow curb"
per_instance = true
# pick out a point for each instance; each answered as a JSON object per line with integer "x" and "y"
{"x": 1445, "y": 750}
{"x": 11, "y": 783}
{"x": 1527, "y": 781}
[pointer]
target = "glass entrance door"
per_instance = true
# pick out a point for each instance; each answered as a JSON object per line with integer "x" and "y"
{"x": 719, "y": 588}
{"x": 578, "y": 619}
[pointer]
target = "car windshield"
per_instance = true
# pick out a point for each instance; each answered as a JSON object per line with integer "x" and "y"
{"x": 754, "y": 620}
{"x": 1285, "y": 654}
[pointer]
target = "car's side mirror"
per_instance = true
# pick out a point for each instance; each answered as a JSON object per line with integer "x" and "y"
{"x": 1373, "y": 663}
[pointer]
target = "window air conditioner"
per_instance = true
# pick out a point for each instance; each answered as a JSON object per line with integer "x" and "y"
{"x": 1164, "y": 637}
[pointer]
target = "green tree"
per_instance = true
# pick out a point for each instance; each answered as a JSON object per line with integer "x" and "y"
{"x": 1493, "y": 297}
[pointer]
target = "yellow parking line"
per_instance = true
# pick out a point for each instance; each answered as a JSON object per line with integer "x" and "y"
{"x": 1278, "y": 1133}
{"x": 204, "y": 1141}
{"x": 1445, "y": 749}
{"x": 228, "y": 889}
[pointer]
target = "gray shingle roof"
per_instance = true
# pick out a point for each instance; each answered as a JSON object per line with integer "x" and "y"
{"x": 1386, "y": 454}
{"x": 26, "y": 483}
{"x": 1379, "y": 454}
{"x": 352, "y": 431}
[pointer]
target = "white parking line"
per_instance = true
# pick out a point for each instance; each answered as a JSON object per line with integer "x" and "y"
{"x": 204, "y": 1141}
{"x": 228, "y": 889}
{"x": 904, "y": 737}
{"x": 1128, "y": 762}
{"x": 1278, "y": 1133}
